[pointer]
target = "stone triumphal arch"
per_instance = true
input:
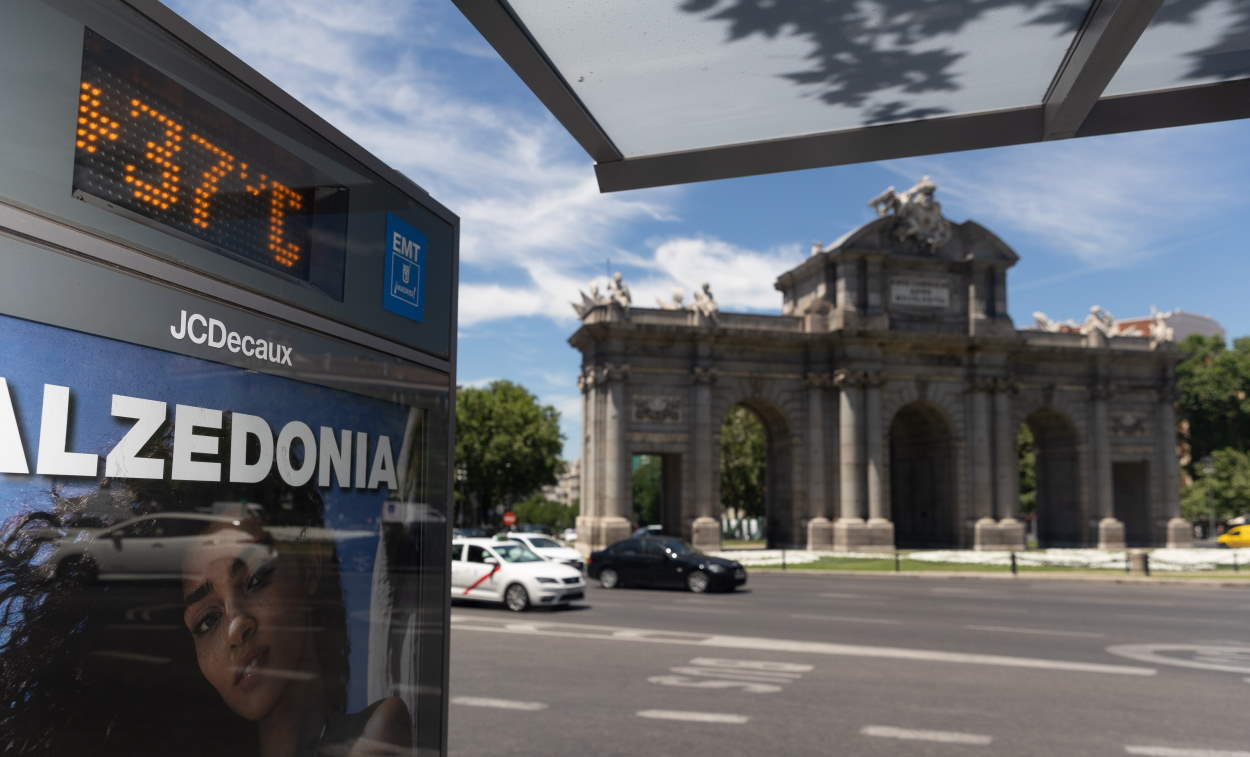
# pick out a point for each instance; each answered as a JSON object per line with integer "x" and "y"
{"x": 891, "y": 389}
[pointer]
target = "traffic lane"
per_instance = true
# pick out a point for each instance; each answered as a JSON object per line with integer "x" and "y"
{"x": 594, "y": 689}
{"x": 979, "y": 617}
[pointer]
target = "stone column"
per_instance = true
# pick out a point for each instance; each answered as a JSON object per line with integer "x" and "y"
{"x": 849, "y": 529}
{"x": 980, "y": 458}
{"x": 819, "y": 528}
{"x": 589, "y": 495}
{"x": 1180, "y": 532}
{"x": 705, "y": 531}
{"x": 880, "y": 531}
{"x": 615, "y": 511}
{"x": 1006, "y": 470}
{"x": 1110, "y": 530}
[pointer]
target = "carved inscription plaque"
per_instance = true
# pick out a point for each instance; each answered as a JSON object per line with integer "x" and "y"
{"x": 920, "y": 292}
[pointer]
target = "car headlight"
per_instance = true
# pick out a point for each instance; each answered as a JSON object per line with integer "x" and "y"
{"x": 714, "y": 568}
{"x": 545, "y": 580}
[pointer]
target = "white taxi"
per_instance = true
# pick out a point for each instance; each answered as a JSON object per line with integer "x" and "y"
{"x": 549, "y": 549}
{"x": 511, "y": 573}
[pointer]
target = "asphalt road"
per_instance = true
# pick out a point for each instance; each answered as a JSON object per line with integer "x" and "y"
{"x": 877, "y": 665}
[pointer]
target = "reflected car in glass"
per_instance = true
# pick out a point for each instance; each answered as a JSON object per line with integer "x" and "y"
{"x": 663, "y": 562}
{"x": 511, "y": 573}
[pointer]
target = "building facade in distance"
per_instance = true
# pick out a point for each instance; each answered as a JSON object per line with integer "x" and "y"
{"x": 891, "y": 388}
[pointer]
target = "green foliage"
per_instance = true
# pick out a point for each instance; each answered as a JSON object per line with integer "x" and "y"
{"x": 648, "y": 470}
{"x": 541, "y": 511}
{"x": 507, "y": 447}
{"x": 1223, "y": 486}
{"x": 1214, "y": 388}
{"x": 743, "y": 457}
{"x": 1026, "y": 455}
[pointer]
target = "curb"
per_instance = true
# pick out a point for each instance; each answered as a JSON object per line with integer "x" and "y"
{"x": 1082, "y": 577}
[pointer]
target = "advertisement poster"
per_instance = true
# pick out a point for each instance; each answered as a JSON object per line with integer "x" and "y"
{"x": 196, "y": 559}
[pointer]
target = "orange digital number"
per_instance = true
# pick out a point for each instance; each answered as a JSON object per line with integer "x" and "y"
{"x": 159, "y": 187}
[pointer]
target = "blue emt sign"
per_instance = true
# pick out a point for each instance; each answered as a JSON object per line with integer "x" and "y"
{"x": 405, "y": 261}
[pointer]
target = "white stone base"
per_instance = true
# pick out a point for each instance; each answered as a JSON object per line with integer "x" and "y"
{"x": 595, "y": 532}
{"x": 1111, "y": 534}
{"x": 705, "y": 534}
{"x": 1180, "y": 534}
{"x": 880, "y": 534}
{"x": 855, "y": 535}
{"x": 819, "y": 535}
{"x": 989, "y": 534}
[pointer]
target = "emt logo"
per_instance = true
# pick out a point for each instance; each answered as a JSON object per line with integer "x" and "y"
{"x": 212, "y": 332}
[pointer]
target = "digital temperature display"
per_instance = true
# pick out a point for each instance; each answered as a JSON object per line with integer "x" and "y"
{"x": 145, "y": 144}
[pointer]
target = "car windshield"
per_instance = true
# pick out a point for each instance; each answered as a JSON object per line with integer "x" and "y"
{"x": 543, "y": 543}
{"x": 516, "y": 553}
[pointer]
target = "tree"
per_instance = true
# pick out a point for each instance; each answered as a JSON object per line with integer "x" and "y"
{"x": 1222, "y": 488}
{"x": 743, "y": 461}
{"x": 1214, "y": 387}
{"x": 540, "y": 511}
{"x": 507, "y": 447}
{"x": 1026, "y": 454}
{"x": 648, "y": 470}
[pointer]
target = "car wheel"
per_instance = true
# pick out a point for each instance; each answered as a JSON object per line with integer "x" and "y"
{"x": 609, "y": 578}
{"x": 697, "y": 582}
{"x": 516, "y": 598}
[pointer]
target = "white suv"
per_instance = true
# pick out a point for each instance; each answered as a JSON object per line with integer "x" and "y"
{"x": 511, "y": 573}
{"x": 550, "y": 549}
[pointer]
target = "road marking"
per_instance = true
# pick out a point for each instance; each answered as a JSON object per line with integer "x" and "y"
{"x": 945, "y": 737}
{"x": 693, "y": 717}
{"x": 846, "y": 619}
{"x": 683, "y": 608}
{"x": 836, "y": 595}
{"x": 1042, "y": 632}
{"x": 971, "y": 593}
{"x": 609, "y": 633}
{"x": 1224, "y": 658}
{"x": 499, "y": 704}
{"x": 1166, "y": 751}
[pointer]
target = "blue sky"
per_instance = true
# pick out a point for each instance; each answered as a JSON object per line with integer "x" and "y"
{"x": 1125, "y": 222}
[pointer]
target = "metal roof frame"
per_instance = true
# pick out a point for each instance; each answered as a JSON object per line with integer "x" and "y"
{"x": 1073, "y": 106}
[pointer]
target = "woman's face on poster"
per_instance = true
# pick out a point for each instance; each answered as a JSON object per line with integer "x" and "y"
{"x": 248, "y": 611}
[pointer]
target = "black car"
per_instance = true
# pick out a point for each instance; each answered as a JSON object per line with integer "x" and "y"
{"x": 663, "y": 561}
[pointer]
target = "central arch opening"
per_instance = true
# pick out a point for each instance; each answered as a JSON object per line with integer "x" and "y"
{"x": 754, "y": 476}
{"x": 922, "y": 478}
{"x": 1056, "y": 467}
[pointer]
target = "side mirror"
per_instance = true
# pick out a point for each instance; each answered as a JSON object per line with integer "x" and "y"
{"x": 117, "y": 541}
{"x": 490, "y": 561}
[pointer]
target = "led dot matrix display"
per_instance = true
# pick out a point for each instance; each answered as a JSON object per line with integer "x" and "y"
{"x": 146, "y": 144}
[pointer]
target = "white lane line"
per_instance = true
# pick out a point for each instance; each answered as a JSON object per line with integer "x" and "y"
{"x": 972, "y": 593}
{"x": 837, "y": 595}
{"x": 1038, "y": 631}
{"x": 693, "y": 717}
{"x": 846, "y": 618}
{"x": 1166, "y": 751}
{"x": 945, "y": 737}
{"x": 609, "y": 633}
{"x": 499, "y": 704}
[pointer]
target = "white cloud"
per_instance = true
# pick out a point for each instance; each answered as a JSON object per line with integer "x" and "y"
{"x": 1107, "y": 201}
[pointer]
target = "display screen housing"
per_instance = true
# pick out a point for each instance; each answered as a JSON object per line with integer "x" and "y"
{"x": 147, "y": 145}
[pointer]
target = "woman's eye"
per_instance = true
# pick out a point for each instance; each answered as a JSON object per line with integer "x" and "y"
{"x": 261, "y": 577}
{"x": 207, "y": 623}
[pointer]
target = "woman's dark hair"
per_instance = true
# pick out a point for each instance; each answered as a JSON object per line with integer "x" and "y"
{"x": 104, "y": 668}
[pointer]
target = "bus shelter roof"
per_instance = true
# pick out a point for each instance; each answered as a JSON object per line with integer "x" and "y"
{"x": 664, "y": 92}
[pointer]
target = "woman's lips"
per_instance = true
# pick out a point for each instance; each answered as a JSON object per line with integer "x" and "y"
{"x": 249, "y": 674}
